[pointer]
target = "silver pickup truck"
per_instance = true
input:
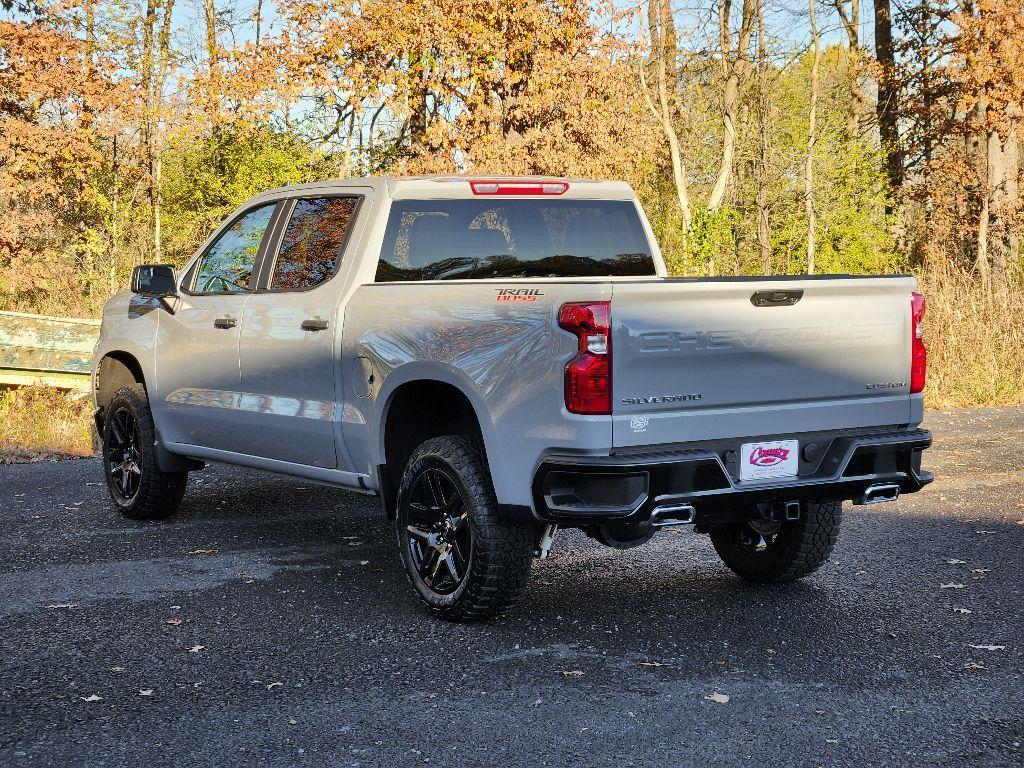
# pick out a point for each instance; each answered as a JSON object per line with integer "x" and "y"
{"x": 496, "y": 358}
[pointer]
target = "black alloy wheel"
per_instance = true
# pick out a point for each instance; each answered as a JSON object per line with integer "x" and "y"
{"x": 138, "y": 487}
{"x": 123, "y": 455}
{"x": 438, "y": 535}
{"x": 465, "y": 559}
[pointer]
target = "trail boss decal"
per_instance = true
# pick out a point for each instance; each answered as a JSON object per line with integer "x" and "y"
{"x": 517, "y": 294}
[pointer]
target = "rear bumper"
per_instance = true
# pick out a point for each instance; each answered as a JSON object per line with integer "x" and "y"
{"x": 628, "y": 486}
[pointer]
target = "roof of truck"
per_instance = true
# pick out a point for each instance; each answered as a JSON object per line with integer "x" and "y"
{"x": 449, "y": 186}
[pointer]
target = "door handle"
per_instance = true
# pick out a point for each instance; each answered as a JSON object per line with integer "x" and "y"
{"x": 314, "y": 324}
{"x": 225, "y": 322}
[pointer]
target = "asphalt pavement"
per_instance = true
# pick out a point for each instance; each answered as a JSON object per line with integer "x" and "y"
{"x": 271, "y": 625}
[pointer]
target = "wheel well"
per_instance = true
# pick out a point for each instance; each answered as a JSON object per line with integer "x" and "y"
{"x": 118, "y": 369}
{"x": 419, "y": 411}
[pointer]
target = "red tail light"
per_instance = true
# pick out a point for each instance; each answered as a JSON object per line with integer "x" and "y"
{"x": 519, "y": 187}
{"x": 918, "y": 354}
{"x": 588, "y": 376}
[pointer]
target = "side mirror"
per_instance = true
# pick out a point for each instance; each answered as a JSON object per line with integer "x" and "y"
{"x": 156, "y": 280}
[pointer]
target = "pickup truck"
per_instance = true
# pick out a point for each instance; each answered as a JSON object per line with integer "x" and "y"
{"x": 498, "y": 358}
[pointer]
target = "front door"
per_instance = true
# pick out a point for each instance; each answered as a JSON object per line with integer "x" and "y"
{"x": 198, "y": 381}
{"x": 291, "y": 333}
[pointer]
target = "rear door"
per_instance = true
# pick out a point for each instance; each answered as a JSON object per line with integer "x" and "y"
{"x": 290, "y": 333}
{"x": 706, "y": 359}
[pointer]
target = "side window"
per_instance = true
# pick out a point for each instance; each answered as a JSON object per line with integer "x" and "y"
{"x": 312, "y": 242}
{"x": 227, "y": 266}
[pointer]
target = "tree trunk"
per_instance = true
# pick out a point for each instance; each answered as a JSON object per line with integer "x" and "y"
{"x": 734, "y": 67}
{"x": 163, "y": 56}
{"x": 148, "y": 94}
{"x": 856, "y": 109}
{"x": 999, "y": 233}
{"x": 212, "y": 58}
{"x": 811, "y": 139}
{"x": 887, "y": 108}
{"x": 259, "y": 21}
{"x": 764, "y": 239}
{"x": 663, "y": 113}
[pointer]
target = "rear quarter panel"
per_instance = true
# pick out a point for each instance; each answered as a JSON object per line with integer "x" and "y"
{"x": 507, "y": 357}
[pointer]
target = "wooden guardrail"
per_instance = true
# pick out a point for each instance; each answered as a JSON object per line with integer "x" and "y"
{"x": 38, "y": 349}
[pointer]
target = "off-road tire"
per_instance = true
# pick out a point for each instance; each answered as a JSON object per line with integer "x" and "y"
{"x": 501, "y": 550}
{"x": 798, "y": 548}
{"x": 159, "y": 494}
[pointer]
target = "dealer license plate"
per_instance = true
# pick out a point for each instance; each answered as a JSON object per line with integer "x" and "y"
{"x": 778, "y": 458}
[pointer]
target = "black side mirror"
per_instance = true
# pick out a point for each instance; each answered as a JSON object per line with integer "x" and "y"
{"x": 155, "y": 280}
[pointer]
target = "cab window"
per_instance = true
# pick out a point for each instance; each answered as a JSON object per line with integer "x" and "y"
{"x": 227, "y": 265}
{"x": 311, "y": 247}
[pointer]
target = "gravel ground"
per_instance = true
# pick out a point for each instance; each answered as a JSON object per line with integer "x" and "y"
{"x": 270, "y": 624}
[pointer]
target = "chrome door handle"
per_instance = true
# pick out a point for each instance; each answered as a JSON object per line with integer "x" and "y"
{"x": 314, "y": 324}
{"x": 225, "y": 322}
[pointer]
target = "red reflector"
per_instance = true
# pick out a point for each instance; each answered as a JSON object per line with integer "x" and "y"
{"x": 519, "y": 187}
{"x": 588, "y": 376}
{"x": 918, "y": 353}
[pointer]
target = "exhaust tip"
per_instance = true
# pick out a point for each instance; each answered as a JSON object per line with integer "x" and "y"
{"x": 673, "y": 514}
{"x": 879, "y": 494}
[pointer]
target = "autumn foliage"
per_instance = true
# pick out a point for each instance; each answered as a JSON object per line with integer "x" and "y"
{"x": 757, "y": 143}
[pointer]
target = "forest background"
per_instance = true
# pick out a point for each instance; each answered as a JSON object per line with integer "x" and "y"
{"x": 763, "y": 136}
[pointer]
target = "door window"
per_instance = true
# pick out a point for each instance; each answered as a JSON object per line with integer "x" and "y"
{"x": 312, "y": 243}
{"x": 227, "y": 266}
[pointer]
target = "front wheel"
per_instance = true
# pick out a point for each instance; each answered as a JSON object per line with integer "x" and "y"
{"x": 137, "y": 487}
{"x": 773, "y": 551}
{"x": 464, "y": 559}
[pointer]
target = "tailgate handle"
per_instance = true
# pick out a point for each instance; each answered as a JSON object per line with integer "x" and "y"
{"x": 776, "y": 298}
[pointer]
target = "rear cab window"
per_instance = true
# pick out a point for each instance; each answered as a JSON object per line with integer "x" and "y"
{"x": 313, "y": 242}
{"x": 513, "y": 238}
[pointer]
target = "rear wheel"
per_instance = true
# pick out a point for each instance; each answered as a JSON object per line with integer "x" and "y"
{"x": 137, "y": 487}
{"x": 464, "y": 559}
{"x": 770, "y": 551}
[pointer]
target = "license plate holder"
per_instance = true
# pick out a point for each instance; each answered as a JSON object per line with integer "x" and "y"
{"x": 772, "y": 458}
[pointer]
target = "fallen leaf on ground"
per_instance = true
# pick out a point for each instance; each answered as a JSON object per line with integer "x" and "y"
{"x": 981, "y": 531}
{"x": 963, "y": 610}
{"x": 174, "y": 622}
{"x": 718, "y": 698}
{"x": 146, "y": 692}
{"x": 364, "y": 562}
{"x": 973, "y": 665}
{"x": 274, "y": 685}
{"x": 94, "y": 697}
{"x": 957, "y": 562}
{"x": 572, "y": 672}
{"x": 62, "y": 605}
{"x": 989, "y": 647}
{"x": 951, "y": 586}
{"x": 196, "y": 648}
{"x": 117, "y": 669}
{"x": 981, "y": 570}
{"x": 651, "y": 664}
{"x": 204, "y": 551}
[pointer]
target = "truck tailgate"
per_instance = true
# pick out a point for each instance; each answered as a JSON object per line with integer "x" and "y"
{"x": 700, "y": 360}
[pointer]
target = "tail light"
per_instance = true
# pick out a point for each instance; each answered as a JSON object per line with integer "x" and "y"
{"x": 588, "y": 376}
{"x": 918, "y": 354}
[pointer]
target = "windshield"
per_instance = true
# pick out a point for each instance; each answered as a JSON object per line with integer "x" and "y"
{"x": 479, "y": 239}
